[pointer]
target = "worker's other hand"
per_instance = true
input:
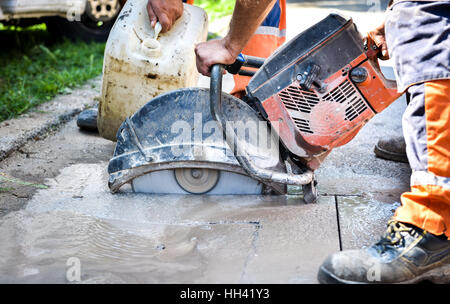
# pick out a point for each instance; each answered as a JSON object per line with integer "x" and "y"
{"x": 213, "y": 52}
{"x": 378, "y": 36}
{"x": 164, "y": 11}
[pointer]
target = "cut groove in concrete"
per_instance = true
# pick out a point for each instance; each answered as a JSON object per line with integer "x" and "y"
{"x": 338, "y": 222}
{"x": 253, "y": 251}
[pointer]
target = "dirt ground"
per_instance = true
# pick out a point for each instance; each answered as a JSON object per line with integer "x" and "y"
{"x": 27, "y": 169}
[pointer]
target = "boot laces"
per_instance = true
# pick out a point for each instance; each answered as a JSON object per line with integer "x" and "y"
{"x": 393, "y": 235}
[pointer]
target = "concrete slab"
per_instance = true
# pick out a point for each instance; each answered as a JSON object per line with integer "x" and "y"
{"x": 130, "y": 237}
{"x": 40, "y": 247}
{"x": 302, "y": 15}
{"x": 292, "y": 243}
{"x": 363, "y": 220}
{"x": 26, "y": 169}
{"x": 351, "y": 5}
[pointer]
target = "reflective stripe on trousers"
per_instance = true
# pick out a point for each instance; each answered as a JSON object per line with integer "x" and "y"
{"x": 267, "y": 38}
{"x": 417, "y": 34}
{"x": 426, "y": 128}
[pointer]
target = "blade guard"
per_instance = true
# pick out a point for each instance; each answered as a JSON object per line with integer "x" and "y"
{"x": 176, "y": 130}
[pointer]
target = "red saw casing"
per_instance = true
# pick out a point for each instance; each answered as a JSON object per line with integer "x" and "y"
{"x": 322, "y": 87}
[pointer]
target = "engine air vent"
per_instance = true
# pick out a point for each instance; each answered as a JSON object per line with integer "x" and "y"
{"x": 294, "y": 98}
{"x": 346, "y": 91}
{"x": 340, "y": 93}
{"x": 302, "y": 104}
{"x": 355, "y": 107}
{"x": 303, "y": 125}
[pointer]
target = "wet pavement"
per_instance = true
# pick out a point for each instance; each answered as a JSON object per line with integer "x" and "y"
{"x": 56, "y": 208}
{"x": 131, "y": 237}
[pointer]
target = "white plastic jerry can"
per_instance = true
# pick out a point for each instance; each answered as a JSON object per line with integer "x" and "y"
{"x": 140, "y": 64}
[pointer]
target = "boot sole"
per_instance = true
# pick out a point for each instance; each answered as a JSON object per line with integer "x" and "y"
{"x": 390, "y": 156}
{"x": 440, "y": 275}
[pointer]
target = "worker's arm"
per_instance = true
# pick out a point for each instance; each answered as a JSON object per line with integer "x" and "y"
{"x": 164, "y": 11}
{"x": 247, "y": 16}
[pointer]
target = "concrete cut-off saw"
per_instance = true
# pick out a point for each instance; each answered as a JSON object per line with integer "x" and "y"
{"x": 313, "y": 94}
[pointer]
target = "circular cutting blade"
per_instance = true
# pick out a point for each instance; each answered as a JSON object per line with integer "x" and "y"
{"x": 165, "y": 182}
{"x": 196, "y": 180}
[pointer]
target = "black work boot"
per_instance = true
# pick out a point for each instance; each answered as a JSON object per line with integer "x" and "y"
{"x": 405, "y": 254}
{"x": 393, "y": 148}
{"x": 87, "y": 119}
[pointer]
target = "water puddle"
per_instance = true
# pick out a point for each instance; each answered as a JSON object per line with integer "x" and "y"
{"x": 125, "y": 237}
{"x": 37, "y": 246}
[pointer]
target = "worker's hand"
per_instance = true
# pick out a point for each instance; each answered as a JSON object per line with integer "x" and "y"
{"x": 213, "y": 52}
{"x": 164, "y": 11}
{"x": 377, "y": 35}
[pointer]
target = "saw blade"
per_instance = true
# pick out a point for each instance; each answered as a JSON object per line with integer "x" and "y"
{"x": 165, "y": 182}
{"x": 196, "y": 180}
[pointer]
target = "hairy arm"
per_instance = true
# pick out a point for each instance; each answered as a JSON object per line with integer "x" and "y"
{"x": 247, "y": 16}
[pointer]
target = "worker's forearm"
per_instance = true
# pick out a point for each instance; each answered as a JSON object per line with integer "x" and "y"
{"x": 247, "y": 16}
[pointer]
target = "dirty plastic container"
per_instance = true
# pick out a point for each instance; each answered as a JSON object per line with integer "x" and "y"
{"x": 137, "y": 67}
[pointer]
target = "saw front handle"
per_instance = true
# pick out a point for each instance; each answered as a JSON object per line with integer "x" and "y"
{"x": 245, "y": 61}
{"x": 242, "y": 156}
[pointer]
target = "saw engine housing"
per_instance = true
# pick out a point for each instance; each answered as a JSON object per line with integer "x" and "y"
{"x": 322, "y": 87}
{"x": 312, "y": 95}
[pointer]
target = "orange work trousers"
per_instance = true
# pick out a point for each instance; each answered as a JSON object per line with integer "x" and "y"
{"x": 426, "y": 127}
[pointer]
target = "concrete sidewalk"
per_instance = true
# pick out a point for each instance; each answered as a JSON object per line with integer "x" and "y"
{"x": 57, "y": 206}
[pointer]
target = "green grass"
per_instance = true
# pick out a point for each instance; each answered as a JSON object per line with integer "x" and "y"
{"x": 5, "y": 178}
{"x": 7, "y": 189}
{"x": 35, "y": 67}
{"x": 216, "y": 8}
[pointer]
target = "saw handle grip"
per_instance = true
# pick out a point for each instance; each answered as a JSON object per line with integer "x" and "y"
{"x": 373, "y": 52}
{"x": 245, "y": 61}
